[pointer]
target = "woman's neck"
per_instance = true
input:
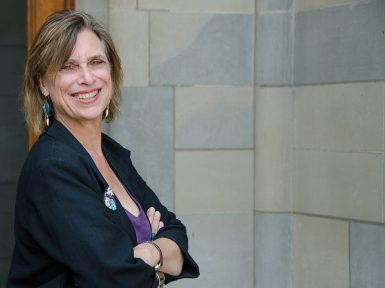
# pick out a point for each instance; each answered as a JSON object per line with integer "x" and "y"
{"x": 88, "y": 133}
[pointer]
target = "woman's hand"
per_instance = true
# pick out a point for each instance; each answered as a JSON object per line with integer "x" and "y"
{"x": 146, "y": 251}
{"x": 172, "y": 255}
{"x": 154, "y": 218}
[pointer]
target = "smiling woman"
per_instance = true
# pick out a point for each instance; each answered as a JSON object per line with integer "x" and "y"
{"x": 84, "y": 216}
{"x": 82, "y": 87}
{"x": 53, "y": 52}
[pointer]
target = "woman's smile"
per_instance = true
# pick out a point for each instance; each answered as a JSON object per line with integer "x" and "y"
{"x": 88, "y": 97}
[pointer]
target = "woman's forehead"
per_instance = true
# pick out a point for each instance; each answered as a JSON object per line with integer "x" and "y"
{"x": 87, "y": 45}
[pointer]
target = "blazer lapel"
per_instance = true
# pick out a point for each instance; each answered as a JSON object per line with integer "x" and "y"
{"x": 118, "y": 161}
{"x": 60, "y": 133}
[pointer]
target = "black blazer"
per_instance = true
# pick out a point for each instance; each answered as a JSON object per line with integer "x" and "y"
{"x": 65, "y": 235}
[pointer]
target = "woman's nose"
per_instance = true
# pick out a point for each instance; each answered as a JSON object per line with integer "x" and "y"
{"x": 86, "y": 77}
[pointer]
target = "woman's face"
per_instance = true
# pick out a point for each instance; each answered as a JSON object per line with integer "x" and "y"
{"x": 82, "y": 88}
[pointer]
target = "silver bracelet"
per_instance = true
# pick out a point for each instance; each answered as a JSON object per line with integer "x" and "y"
{"x": 160, "y": 279}
{"x": 160, "y": 264}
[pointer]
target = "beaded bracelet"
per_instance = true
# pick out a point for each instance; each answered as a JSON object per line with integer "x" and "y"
{"x": 160, "y": 264}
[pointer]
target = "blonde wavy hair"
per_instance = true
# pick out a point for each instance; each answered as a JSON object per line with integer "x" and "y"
{"x": 51, "y": 48}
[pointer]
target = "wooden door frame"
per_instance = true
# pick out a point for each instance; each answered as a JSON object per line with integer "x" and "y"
{"x": 37, "y": 12}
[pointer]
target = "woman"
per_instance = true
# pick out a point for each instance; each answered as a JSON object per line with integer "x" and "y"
{"x": 84, "y": 217}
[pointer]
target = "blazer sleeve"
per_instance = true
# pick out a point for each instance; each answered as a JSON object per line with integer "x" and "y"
{"x": 69, "y": 221}
{"x": 173, "y": 229}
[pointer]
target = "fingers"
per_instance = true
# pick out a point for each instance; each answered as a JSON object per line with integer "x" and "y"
{"x": 151, "y": 214}
{"x": 154, "y": 218}
{"x": 155, "y": 222}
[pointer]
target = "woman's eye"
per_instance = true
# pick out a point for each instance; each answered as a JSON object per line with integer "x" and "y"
{"x": 68, "y": 67}
{"x": 97, "y": 62}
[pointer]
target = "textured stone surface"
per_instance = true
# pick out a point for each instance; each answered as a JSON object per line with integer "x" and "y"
{"x": 335, "y": 169}
{"x": 273, "y": 250}
{"x": 319, "y": 4}
{"x": 217, "y": 50}
{"x": 214, "y": 181}
{"x": 273, "y": 149}
{"x": 129, "y": 30}
{"x": 222, "y": 245}
{"x": 320, "y": 253}
{"x": 343, "y": 117}
{"x": 214, "y": 117}
{"x": 273, "y": 5}
{"x": 200, "y": 6}
{"x": 340, "y": 43}
{"x": 125, "y": 5}
{"x": 367, "y": 250}
{"x": 97, "y": 8}
{"x": 341, "y": 184}
{"x": 145, "y": 126}
{"x": 274, "y": 49}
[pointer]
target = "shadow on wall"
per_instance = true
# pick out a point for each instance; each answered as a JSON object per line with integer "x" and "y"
{"x": 13, "y": 139}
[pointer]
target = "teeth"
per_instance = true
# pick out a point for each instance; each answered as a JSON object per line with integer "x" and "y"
{"x": 86, "y": 95}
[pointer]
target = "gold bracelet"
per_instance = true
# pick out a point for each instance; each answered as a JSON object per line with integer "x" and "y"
{"x": 160, "y": 264}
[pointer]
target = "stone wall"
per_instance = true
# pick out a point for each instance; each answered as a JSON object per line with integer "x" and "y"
{"x": 261, "y": 123}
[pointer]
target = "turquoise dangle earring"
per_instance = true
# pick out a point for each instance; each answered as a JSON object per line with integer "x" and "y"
{"x": 47, "y": 111}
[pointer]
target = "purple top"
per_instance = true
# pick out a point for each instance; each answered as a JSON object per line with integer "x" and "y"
{"x": 141, "y": 223}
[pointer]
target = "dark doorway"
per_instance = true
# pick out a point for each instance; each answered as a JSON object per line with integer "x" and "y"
{"x": 13, "y": 134}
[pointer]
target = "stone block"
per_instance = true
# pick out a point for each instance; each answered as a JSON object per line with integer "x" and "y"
{"x": 129, "y": 30}
{"x": 301, "y": 5}
{"x": 273, "y": 250}
{"x": 222, "y": 245}
{"x": 214, "y": 181}
{"x": 367, "y": 255}
{"x": 340, "y": 43}
{"x": 203, "y": 49}
{"x": 145, "y": 126}
{"x": 273, "y": 149}
{"x": 320, "y": 252}
{"x": 97, "y": 8}
{"x": 274, "y": 49}
{"x": 342, "y": 117}
{"x": 214, "y": 117}
{"x": 199, "y": 6}
{"x": 340, "y": 184}
{"x": 118, "y": 6}
{"x": 274, "y": 5}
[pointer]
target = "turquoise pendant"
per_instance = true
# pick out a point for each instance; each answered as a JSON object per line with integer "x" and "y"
{"x": 109, "y": 199}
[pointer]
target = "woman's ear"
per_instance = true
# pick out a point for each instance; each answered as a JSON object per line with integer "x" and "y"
{"x": 43, "y": 86}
